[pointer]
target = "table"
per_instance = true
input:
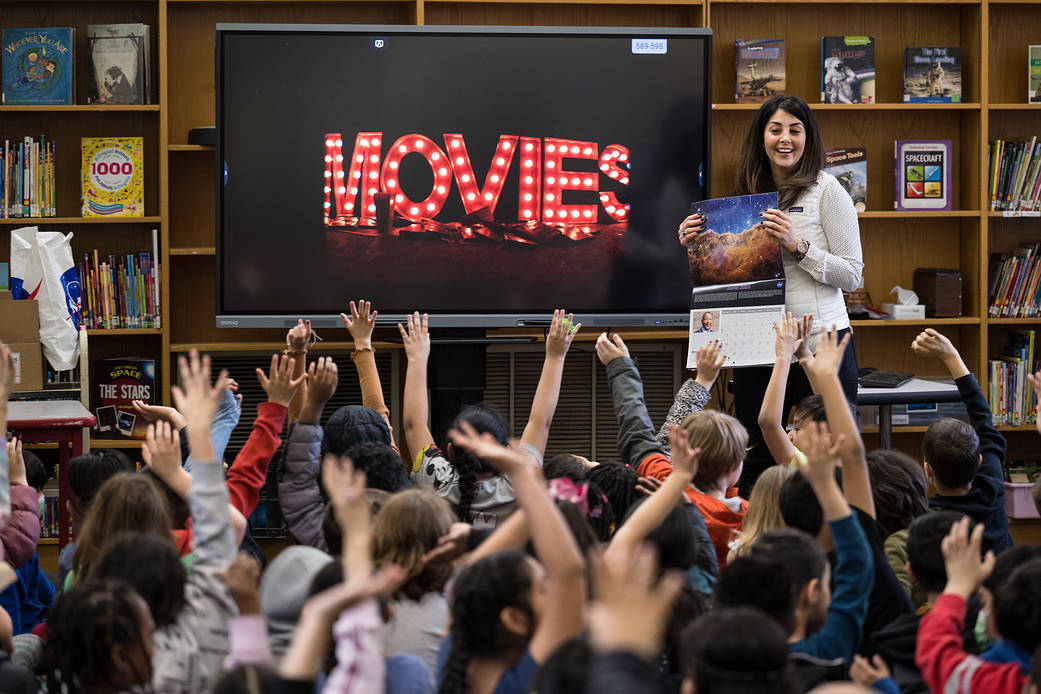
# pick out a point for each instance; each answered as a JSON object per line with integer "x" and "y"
{"x": 53, "y": 420}
{"x": 917, "y": 390}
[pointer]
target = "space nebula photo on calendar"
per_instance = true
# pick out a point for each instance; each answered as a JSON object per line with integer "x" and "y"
{"x": 480, "y": 171}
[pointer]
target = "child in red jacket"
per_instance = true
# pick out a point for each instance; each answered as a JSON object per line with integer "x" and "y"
{"x": 945, "y": 665}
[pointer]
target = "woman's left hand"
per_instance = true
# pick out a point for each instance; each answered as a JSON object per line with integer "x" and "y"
{"x": 779, "y": 226}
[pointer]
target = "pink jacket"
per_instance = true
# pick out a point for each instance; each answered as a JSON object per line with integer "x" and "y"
{"x": 22, "y": 531}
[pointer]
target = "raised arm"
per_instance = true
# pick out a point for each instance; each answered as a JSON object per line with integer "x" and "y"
{"x": 554, "y": 544}
{"x": 361, "y": 324}
{"x": 558, "y": 340}
{"x": 415, "y": 411}
{"x": 650, "y": 514}
{"x": 695, "y": 393}
{"x": 21, "y": 533}
{"x": 298, "y": 339}
{"x": 856, "y": 481}
{"x": 636, "y": 439}
{"x": 771, "y": 414}
{"x": 6, "y": 388}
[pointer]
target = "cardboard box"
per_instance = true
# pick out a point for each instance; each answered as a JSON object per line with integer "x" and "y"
{"x": 19, "y": 320}
{"x": 28, "y": 364}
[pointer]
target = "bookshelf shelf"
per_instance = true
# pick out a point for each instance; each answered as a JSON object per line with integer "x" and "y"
{"x": 861, "y": 107}
{"x": 194, "y": 250}
{"x": 94, "y": 108}
{"x": 1015, "y": 107}
{"x": 124, "y": 331}
{"x": 869, "y": 323}
{"x": 114, "y": 443}
{"x": 1014, "y": 321}
{"x": 48, "y": 541}
{"x": 191, "y": 148}
{"x": 80, "y": 220}
{"x": 895, "y": 214}
{"x": 1013, "y": 214}
{"x": 1017, "y": 427}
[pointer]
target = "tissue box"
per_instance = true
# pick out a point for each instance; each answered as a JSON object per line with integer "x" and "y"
{"x": 940, "y": 290}
{"x": 904, "y": 311}
{"x": 1019, "y": 500}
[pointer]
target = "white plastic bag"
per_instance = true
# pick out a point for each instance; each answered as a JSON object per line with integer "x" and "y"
{"x": 42, "y": 269}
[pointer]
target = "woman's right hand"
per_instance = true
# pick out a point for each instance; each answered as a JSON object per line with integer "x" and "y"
{"x": 691, "y": 227}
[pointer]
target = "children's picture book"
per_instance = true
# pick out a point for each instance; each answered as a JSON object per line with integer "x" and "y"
{"x": 112, "y": 177}
{"x": 849, "y": 166}
{"x": 932, "y": 74}
{"x": 117, "y": 383}
{"x": 923, "y": 175}
{"x": 737, "y": 271}
{"x": 758, "y": 69}
{"x": 118, "y": 64}
{"x": 848, "y": 70}
{"x": 39, "y": 66}
{"x": 1034, "y": 74}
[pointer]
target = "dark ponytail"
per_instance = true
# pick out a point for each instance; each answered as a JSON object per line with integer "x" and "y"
{"x": 484, "y": 418}
{"x": 480, "y": 593}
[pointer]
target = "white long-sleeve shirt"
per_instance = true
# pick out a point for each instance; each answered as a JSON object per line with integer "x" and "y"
{"x": 824, "y": 215}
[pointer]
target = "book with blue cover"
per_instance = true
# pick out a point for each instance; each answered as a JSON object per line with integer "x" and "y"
{"x": 38, "y": 66}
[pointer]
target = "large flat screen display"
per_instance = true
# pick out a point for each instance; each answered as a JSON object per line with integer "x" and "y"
{"x": 485, "y": 175}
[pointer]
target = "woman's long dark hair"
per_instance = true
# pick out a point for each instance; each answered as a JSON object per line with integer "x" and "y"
{"x": 479, "y": 595}
{"x": 753, "y": 169}
{"x": 484, "y": 418}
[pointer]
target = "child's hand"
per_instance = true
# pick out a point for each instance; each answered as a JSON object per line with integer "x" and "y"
{"x": 161, "y": 450}
{"x": 930, "y": 343}
{"x": 684, "y": 459}
{"x": 322, "y": 379}
{"x": 279, "y": 385}
{"x": 610, "y": 349}
{"x": 709, "y": 359}
{"x": 298, "y": 339}
{"x": 16, "y": 463}
{"x": 328, "y": 604}
{"x": 631, "y": 609}
{"x": 243, "y": 581}
{"x": 819, "y": 458}
{"x": 361, "y": 323}
{"x": 561, "y": 332}
{"x": 508, "y": 461}
{"x": 6, "y": 374}
{"x": 197, "y": 398}
{"x": 866, "y": 672}
{"x": 647, "y": 485}
{"x": 961, "y": 556}
{"x": 451, "y": 546}
{"x": 345, "y": 488}
{"x": 155, "y": 413}
{"x": 829, "y": 355}
{"x": 1035, "y": 381}
{"x": 787, "y": 337}
{"x": 417, "y": 338}
{"x": 805, "y": 328}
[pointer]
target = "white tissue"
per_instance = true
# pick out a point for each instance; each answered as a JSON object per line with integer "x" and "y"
{"x": 905, "y": 297}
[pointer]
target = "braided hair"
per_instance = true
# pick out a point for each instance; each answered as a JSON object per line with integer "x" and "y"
{"x": 618, "y": 483}
{"x": 84, "y": 625}
{"x": 480, "y": 593}
{"x": 484, "y": 418}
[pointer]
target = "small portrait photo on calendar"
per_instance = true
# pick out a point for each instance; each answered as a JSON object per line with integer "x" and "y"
{"x": 708, "y": 322}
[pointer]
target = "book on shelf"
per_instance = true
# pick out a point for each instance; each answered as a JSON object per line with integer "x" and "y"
{"x": 1015, "y": 283}
{"x": 1011, "y": 395}
{"x": 758, "y": 70}
{"x": 849, "y": 166}
{"x": 848, "y": 70}
{"x": 117, "y": 383}
{"x": 38, "y": 66}
{"x": 1034, "y": 74}
{"x": 27, "y": 176}
{"x": 923, "y": 175}
{"x": 932, "y": 74}
{"x": 112, "y": 177}
{"x": 1014, "y": 175}
{"x": 119, "y": 291}
{"x": 118, "y": 70}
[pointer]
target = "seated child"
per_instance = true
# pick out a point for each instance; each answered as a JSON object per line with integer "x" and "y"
{"x": 964, "y": 461}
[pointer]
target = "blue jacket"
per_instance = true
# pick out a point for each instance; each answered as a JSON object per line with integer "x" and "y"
{"x": 28, "y": 599}
{"x": 985, "y": 502}
{"x": 1007, "y": 652}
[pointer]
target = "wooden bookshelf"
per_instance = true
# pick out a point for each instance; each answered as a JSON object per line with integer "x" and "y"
{"x": 180, "y": 191}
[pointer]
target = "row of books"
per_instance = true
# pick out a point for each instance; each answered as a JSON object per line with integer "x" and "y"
{"x": 39, "y": 65}
{"x": 932, "y": 74}
{"x": 120, "y": 292}
{"x": 1015, "y": 283}
{"x": 27, "y": 178}
{"x": 49, "y": 515}
{"x": 1011, "y": 395}
{"x": 1015, "y": 175}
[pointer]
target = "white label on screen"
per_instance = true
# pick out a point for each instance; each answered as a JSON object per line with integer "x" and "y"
{"x": 651, "y": 46}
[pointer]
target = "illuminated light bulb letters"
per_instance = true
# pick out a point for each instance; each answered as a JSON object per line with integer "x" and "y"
{"x": 439, "y": 164}
{"x": 557, "y": 180}
{"x": 488, "y": 194}
{"x": 614, "y": 164}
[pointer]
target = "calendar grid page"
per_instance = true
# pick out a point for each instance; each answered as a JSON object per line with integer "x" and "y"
{"x": 746, "y": 334}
